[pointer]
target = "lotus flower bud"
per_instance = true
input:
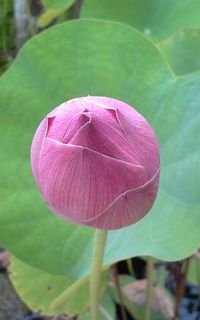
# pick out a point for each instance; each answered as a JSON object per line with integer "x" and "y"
{"x": 96, "y": 162}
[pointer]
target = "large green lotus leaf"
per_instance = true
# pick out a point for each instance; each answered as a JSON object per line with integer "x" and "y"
{"x": 98, "y": 58}
{"x": 182, "y": 51}
{"x": 72, "y": 298}
{"x": 155, "y": 18}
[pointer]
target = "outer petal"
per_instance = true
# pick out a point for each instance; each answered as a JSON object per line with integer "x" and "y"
{"x": 79, "y": 183}
{"x": 141, "y": 136}
{"x": 137, "y": 131}
{"x": 70, "y": 107}
{"x": 100, "y": 136}
{"x": 105, "y": 111}
{"x": 64, "y": 133}
{"x": 61, "y": 117}
{"x": 128, "y": 208}
{"x": 36, "y": 148}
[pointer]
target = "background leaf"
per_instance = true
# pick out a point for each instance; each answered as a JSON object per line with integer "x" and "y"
{"x": 47, "y": 17}
{"x": 57, "y": 4}
{"x": 107, "y": 308}
{"x": 27, "y": 280}
{"x": 53, "y": 10}
{"x": 156, "y": 19}
{"x": 98, "y": 58}
{"x": 182, "y": 50}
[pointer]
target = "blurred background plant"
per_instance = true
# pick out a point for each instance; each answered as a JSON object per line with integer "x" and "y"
{"x": 7, "y": 34}
{"x": 22, "y": 19}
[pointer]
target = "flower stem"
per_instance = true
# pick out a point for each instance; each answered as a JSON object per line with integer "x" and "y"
{"x": 130, "y": 266}
{"x": 149, "y": 289}
{"x": 97, "y": 259}
{"x": 120, "y": 294}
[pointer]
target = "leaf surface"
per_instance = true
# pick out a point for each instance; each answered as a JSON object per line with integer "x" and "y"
{"x": 110, "y": 59}
{"x": 182, "y": 50}
{"x": 55, "y": 295}
{"x": 156, "y": 19}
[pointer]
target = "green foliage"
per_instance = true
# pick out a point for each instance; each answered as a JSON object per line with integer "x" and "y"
{"x": 182, "y": 50}
{"x": 55, "y": 294}
{"x": 57, "y": 4}
{"x": 107, "y": 308}
{"x": 161, "y": 21}
{"x": 193, "y": 275}
{"x": 98, "y": 58}
{"x": 53, "y": 10}
{"x": 157, "y": 19}
{"x": 6, "y": 33}
{"x": 48, "y": 17}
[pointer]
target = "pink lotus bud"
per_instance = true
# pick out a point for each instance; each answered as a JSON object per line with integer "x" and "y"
{"x": 96, "y": 162}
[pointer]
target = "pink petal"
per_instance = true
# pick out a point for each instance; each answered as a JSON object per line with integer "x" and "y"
{"x": 65, "y": 121}
{"x": 61, "y": 118}
{"x": 128, "y": 208}
{"x": 70, "y": 107}
{"x": 142, "y": 136}
{"x": 62, "y": 130}
{"x": 106, "y": 112}
{"x": 36, "y": 148}
{"x": 98, "y": 135}
{"x": 137, "y": 131}
{"x": 79, "y": 183}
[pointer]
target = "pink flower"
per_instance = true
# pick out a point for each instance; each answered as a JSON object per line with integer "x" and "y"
{"x": 96, "y": 162}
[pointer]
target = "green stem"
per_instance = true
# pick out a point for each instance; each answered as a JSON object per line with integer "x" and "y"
{"x": 97, "y": 259}
{"x": 149, "y": 289}
{"x": 131, "y": 308}
{"x": 120, "y": 294}
{"x": 130, "y": 266}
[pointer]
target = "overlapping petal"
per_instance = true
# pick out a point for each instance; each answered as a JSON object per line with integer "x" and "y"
{"x": 63, "y": 119}
{"x": 98, "y": 135}
{"x": 138, "y": 133}
{"x": 36, "y": 148}
{"x": 80, "y": 183}
{"x": 128, "y": 208}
